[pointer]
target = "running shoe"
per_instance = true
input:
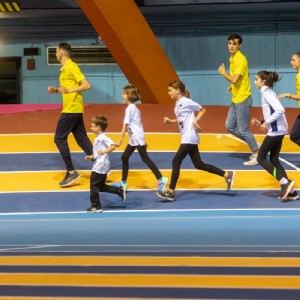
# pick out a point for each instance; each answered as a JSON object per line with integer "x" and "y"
{"x": 120, "y": 184}
{"x": 167, "y": 195}
{"x": 122, "y": 194}
{"x": 69, "y": 179}
{"x": 229, "y": 180}
{"x": 94, "y": 209}
{"x": 290, "y": 196}
{"x": 161, "y": 184}
{"x": 252, "y": 162}
{"x": 286, "y": 188}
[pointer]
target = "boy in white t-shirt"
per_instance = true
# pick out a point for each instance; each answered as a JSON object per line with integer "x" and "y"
{"x": 101, "y": 167}
{"x": 132, "y": 124}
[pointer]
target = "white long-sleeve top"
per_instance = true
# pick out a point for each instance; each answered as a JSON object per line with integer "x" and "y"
{"x": 273, "y": 111}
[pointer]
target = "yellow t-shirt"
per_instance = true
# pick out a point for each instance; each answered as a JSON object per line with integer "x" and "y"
{"x": 70, "y": 76}
{"x": 298, "y": 85}
{"x": 241, "y": 90}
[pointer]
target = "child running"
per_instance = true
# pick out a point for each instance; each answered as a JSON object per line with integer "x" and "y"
{"x": 102, "y": 146}
{"x": 275, "y": 124}
{"x": 133, "y": 125}
{"x": 189, "y": 129}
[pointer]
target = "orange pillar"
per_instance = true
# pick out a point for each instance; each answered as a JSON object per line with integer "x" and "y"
{"x": 130, "y": 40}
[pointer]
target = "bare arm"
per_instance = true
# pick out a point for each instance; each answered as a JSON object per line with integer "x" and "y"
{"x": 200, "y": 114}
{"x": 232, "y": 79}
{"x": 89, "y": 157}
{"x": 289, "y": 96}
{"x": 52, "y": 89}
{"x": 169, "y": 121}
{"x": 107, "y": 150}
{"x": 123, "y": 132}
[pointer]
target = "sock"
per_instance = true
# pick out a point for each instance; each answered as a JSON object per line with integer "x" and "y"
{"x": 283, "y": 181}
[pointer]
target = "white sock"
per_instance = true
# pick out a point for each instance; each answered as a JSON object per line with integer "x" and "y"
{"x": 283, "y": 181}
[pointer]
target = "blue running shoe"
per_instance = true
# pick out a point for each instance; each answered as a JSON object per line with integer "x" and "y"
{"x": 120, "y": 184}
{"x": 161, "y": 184}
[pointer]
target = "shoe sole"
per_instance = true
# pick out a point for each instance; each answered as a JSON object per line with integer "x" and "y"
{"x": 165, "y": 198}
{"x": 63, "y": 185}
{"x": 289, "y": 199}
{"x": 291, "y": 185}
{"x": 250, "y": 164}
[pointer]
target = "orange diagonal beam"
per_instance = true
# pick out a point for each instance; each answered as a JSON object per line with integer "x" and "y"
{"x": 130, "y": 40}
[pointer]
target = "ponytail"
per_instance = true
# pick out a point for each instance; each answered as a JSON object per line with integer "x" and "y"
{"x": 270, "y": 78}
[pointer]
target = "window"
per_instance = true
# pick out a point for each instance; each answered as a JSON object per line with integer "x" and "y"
{"x": 84, "y": 55}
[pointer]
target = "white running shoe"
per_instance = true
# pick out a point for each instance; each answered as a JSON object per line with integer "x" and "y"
{"x": 252, "y": 161}
{"x": 258, "y": 144}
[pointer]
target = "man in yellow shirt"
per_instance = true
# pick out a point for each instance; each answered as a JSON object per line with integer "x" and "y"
{"x": 295, "y": 131}
{"x": 238, "y": 118}
{"x": 72, "y": 84}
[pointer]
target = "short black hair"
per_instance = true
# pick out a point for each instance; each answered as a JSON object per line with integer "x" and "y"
{"x": 235, "y": 37}
{"x": 65, "y": 47}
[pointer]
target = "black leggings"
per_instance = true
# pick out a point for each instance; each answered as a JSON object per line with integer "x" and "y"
{"x": 272, "y": 144}
{"x": 144, "y": 156}
{"x": 193, "y": 152}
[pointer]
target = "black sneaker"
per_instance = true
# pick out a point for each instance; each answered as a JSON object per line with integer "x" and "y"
{"x": 290, "y": 196}
{"x": 122, "y": 194}
{"x": 286, "y": 188}
{"x": 229, "y": 180}
{"x": 69, "y": 179}
{"x": 167, "y": 195}
{"x": 94, "y": 209}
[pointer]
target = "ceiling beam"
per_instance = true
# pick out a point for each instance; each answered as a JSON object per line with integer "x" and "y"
{"x": 127, "y": 35}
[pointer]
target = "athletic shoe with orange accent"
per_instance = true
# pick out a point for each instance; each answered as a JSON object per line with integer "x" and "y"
{"x": 290, "y": 196}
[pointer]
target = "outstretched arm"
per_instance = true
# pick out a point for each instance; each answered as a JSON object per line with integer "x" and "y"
{"x": 289, "y": 96}
{"x": 107, "y": 150}
{"x": 123, "y": 132}
{"x": 167, "y": 120}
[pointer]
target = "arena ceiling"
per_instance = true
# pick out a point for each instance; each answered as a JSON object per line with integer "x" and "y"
{"x": 47, "y": 20}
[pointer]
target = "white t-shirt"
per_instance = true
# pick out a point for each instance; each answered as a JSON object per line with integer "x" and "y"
{"x": 184, "y": 111}
{"x": 273, "y": 111}
{"x": 101, "y": 164}
{"x": 134, "y": 125}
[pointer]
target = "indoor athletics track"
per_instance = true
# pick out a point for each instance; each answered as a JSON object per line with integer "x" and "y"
{"x": 208, "y": 244}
